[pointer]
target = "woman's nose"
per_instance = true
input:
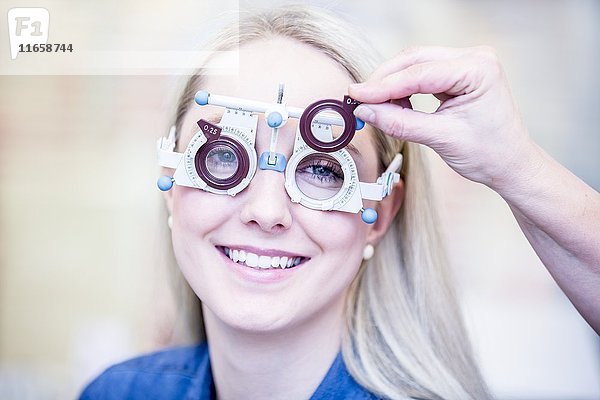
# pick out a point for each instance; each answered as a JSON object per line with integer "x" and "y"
{"x": 266, "y": 202}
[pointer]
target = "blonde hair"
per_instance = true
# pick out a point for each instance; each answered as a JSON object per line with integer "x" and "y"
{"x": 404, "y": 335}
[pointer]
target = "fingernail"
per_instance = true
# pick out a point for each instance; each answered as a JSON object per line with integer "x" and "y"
{"x": 356, "y": 86}
{"x": 365, "y": 113}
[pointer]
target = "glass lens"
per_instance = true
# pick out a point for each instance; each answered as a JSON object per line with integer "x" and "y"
{"x": 222, "y": 162}
{"x": 327, "y": 126}
{"x": 319, "y": 176}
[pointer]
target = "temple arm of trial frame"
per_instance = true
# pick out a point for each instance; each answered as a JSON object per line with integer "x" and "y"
{"x": 165, "y": 146}
{"x": 384, "y": 185}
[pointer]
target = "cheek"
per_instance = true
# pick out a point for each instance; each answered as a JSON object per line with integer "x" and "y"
{"x": 198, "y": 211}
{"x": 341, "y": 237}
{"x": 196, "y": 214}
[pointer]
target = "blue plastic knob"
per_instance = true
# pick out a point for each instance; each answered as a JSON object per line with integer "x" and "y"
{"x": 359, "y": 124}
{"x": 165, "y": 183}
{"x": 201, "y": 97}
{"x": 369, "y": 215}
{"x": 274, "y": 119}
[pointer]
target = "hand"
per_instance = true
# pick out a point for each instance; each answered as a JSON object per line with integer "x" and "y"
{"x": 476, "y": 129}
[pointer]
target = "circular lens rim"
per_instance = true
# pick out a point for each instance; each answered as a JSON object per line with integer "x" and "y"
{"x": 233, "y": 180}
{"x": 342, "y": 197}
{"x": 311, "y": 112}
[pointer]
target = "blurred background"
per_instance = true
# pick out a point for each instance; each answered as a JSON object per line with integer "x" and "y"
{"x": 83, "y": 281}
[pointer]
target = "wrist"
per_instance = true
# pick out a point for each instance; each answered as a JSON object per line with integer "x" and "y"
{"x": 525, "y": 172}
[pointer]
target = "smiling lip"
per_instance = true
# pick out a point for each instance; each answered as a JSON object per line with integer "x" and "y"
{"x": 262, "y": 275}
{"x": 261, "y": 252}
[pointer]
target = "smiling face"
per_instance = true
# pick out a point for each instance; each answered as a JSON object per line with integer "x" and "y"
{"x": 261, "y": 223}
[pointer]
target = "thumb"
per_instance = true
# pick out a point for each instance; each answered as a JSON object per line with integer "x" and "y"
{"x": 404, "y": 123}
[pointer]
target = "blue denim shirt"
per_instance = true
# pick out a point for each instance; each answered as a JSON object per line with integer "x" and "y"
{"x": 184, "y": 373}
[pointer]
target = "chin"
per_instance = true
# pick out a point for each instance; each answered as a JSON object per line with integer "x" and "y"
{"x": 256, "y": 319}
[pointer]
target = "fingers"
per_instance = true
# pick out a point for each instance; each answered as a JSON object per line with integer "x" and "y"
{"x": 450, "y": 77}
{"x": 416, "y": 55}
{"x": 406, "y": 124}
{"x": 443, "y": 72}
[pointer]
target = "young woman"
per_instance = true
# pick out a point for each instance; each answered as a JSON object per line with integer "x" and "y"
{"x": 341, "y": 321}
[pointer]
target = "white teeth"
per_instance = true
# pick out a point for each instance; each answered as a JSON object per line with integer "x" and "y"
{"x": 264, "y": 262}
{"x": 251, "y": 260}
{"x": 283, "y": 262}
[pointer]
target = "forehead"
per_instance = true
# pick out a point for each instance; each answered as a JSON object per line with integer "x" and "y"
{"x": 307, "y": 73}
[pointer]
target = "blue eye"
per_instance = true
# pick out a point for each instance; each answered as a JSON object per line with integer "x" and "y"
{"x": 319, "y": 176}
{"x": 324, "y": 171}
{"x": 222, "y": 162}
{"x": 226, "y": 156}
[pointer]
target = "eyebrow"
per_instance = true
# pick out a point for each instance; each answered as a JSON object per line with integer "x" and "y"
{"x": 353, "y": 149}
{"x": 213, "y": 118}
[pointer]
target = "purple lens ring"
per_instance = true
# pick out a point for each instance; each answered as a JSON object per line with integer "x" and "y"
{"x": 215, "y": 139}
{"x": 210, "y": 179}
{"x": 328, "y": 104}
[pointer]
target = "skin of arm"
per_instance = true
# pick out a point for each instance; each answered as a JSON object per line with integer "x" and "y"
{"x": 560, "y": 216}
{"x": 478, "y": 132}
